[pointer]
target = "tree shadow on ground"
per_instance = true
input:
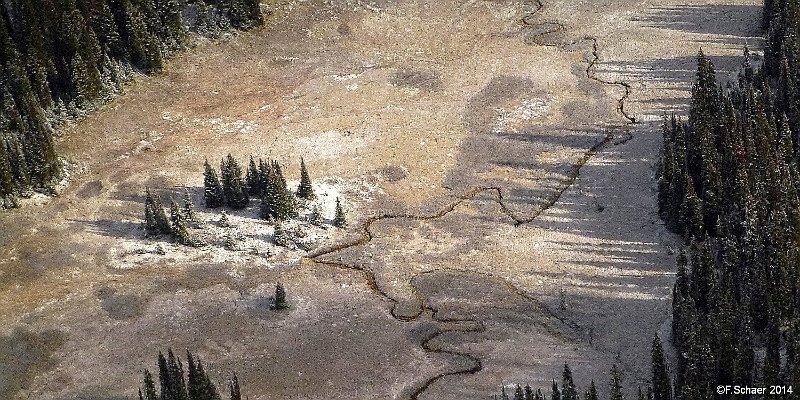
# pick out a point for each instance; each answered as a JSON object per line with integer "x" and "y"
{"x": 737, "y": 21}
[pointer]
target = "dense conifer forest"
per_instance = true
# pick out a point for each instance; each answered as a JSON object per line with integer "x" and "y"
{"x": 59, "y": 58}
{"x": 729, "y": 185}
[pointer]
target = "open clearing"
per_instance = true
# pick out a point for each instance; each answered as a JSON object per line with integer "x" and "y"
{"x": 488, "y": 161}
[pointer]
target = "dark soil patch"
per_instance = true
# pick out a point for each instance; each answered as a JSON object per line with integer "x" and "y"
{"x": 416, "y": 78}
{"x": 23, "y": 355}
{"x": 120, "y": 306}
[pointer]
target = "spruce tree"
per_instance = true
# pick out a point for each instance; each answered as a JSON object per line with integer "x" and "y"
{"x": 591, "y": 394}
{"x": 188, "y": 209}
{"x": 304, "y": 190}
{"x": 518, "y": 393}
{"x": 568, "y": 389}
{"x": 252, "y": 178}
{"x": 616, "y": 383}
{"x": 234, "y": 388}
{"x": 529, "y": 395}
{"x": 233, "y": 186}
{"x": 315, "y": 217}
{"x": 177, "y": 390}
{"x": 160, "y": 218}
{"x": 149, "y": 387}
{"x": 280, "y": 297}
{"x": 213, "y": 194}
{"x": 555, "y": 394}
{"x": 179, "y": 231}
{"x": 662, "y": 386}
{"x": 150, "y": 223}
{"x": 339, "y": 219}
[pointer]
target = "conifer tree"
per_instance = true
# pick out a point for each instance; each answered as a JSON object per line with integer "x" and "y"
{"x": 315, "y": 217}
{"x": 252, "y": 178}
{"x": 555, "y": 394}
{"x": 149, "y": 387}
{"x": 188, "y": 209}
{"x": 280, "y": 297}
{"x": 233, "y": 186}
{"x": 304, "y": 190}
{"x": 234, "y": 388}
{"x": 568, "y": 389}
{"x": 339, "y": 219}
{"x": 179, "y": 231}
{"x": 177, "y": 389}
{"x": 162, "y": 222}
{"x": 591, "y": 394}
{"x": 529, "y": 395}
{"x": 518, "y": 393}
{"x": 616, "y": 383}
{"x": 662, "y": 386}
{"x": 213, "y": 194}
{"x": 150, "y": 223}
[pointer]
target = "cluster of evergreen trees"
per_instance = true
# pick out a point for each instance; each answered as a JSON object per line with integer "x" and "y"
{"x": 177, "y": 384}
{"x": 157, "y": 223}
{"x": 265, "y": 181}
{"x": 728, "y": 183}
{"x": 58, "y": 56}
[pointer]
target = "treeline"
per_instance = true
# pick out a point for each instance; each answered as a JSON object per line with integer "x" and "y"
{"x": 58, "y": 57}
{"x": 660, "y": 389}
{"x": 177, "y": 384}
{"x": 728, "y": 183}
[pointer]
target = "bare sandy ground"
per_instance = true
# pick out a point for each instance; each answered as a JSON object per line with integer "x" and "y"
{"x": 487, "y": 157}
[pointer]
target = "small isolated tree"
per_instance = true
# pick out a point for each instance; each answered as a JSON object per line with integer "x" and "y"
{"x": 338, "y": 219}
{"x": 280, "y": 297}
{"x": 304, "y": 190}
{"x": 212, "y": 194}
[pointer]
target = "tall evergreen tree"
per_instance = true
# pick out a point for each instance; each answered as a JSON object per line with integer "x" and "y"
{"x": 213, "y": 193}
{"x": 662, "y": 385}
{"x": 233, "y": 186}
{"x": 568, "y": 389}
{"x": 304, "y": 190}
